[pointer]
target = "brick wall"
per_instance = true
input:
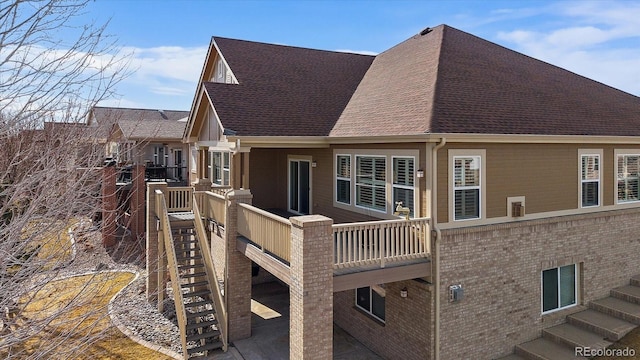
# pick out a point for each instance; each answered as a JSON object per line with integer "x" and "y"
{"x": 500, "y": 267}
{"x": 406, "y": 332}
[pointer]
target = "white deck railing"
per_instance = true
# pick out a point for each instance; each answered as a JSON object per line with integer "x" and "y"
{"x": 380, "y": 242}
{"x": 270, "y": 232}
{"x": 179, "y": 198}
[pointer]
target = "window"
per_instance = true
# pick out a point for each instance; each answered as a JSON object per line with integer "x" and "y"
{"x": 403, "y": 178}
{"x": 160, "y": 155}
{"x": 219, "y": 168}
{"x": 343, "y": 179}
{"x": 371, "y": 182}
{"x": 370, "y": 299}
{"x": 559, "y": 288}
{"x": 628, "y": 169}
{"x": 590, "y": 180}
{"x": 466, "y": 187}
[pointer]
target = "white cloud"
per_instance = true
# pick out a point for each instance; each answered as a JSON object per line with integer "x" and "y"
{"x": 594, "y": 39}
{"x": 361, "y": 52}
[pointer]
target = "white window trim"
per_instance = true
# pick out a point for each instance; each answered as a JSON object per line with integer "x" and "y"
{"x": 406, "y": 187}
{"x": 575, "y": 289}
{"x": 349, "y": 179}
{"x": 370, "y": 311}
{"x": 618, "y": 153}
{"x": 466, "y": 153}
{"x": 389, "y": 154}
{"x": 590, "y": 152}
{"x": 386, "y": 180}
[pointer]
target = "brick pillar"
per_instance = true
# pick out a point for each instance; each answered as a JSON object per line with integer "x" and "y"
{"x": 202, "y": 185}
{"x": 109, "y": 206}
{"x": 311, "y": 288}
{"x": 138, "y": 189}
{"x": 237, "y": 286}
{"x": 152, "y": 241}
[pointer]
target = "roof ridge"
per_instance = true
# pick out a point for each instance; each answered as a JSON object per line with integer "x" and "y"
{"x": 290, "y": 46}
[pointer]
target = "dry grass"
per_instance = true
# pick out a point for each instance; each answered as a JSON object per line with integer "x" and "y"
{"x": 82, "y": 328}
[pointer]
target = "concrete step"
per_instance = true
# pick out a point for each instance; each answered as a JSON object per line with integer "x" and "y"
{"x": 574, "y": 336}
{"x": 611, "y": 328}
{"x": 635, "y": 280}
{"x": 619, "y": 308}
{"x": 544, "y": 349}
{"x": 511, "y": 357}
{"x": 628, "y": 293}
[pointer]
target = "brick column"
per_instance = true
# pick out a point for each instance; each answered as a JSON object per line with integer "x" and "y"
{"x": 311, "y": 288}
{"x": 237, "y": 285}
{"x": 109, "y": 206}
{"x": 138, "y": 189}
{"x": 152, "y": 241}
{"x": 202, "y": 185}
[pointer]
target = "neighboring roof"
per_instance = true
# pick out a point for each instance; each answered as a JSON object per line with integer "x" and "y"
{"x": 105, "y": 117}
{"x": 151, "y": 129}
{"x": 284, "y": 90}
{"x": 448, "y": 81}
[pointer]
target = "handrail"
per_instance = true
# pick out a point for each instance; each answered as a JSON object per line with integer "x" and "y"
{"x": 221, "y": 312}
{"x": 216, "y": 206}
{"x": 380, "y": 242}
{"x": 179, "y": 198}
{"x": 270, "y": 232}
{"x": 161, "y": 212}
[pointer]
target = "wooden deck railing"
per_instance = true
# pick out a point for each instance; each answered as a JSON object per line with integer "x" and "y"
{"x": 179, "y": 198}
{"x": 220, "y": 190}
{"x": 218, "y": 302}
{"x": 215, "y": 205}
{"x": 270, "y": 232}
{"x": 380, "y": 242}
{"x": 162, "y": 214}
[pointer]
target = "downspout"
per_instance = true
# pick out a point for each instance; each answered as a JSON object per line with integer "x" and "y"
{"x": 436, "y": 245}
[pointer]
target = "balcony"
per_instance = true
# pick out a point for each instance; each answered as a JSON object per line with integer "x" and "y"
{"x": 364, "y": 253}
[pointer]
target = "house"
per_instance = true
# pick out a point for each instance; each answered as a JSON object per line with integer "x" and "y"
{"x": 520, "y": 180}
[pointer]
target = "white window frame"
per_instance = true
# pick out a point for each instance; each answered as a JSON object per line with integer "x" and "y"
{"x": 370, "y": 310}
{"x": 345, "y": 179}
{"x": 618, "y": 154}
{"x": 480, "y": 154}
{"x": 575, "y": 289}
{"x": 405, "y": 187}
{"x": 389, "y": 155}
{"x": 581, "y": 155}
{"x": 372, "y": 185}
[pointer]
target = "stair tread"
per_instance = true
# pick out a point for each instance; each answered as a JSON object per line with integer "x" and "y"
{"x": 201, "y": 324}
{"x": 628, "y": 290}
{"x": 547, "y": 349}
{"x": 205, "y": 347}
{"x": 603, "y": 321}
{"x": 190, "y": 266}
{"x": 577, "y": 336}
{"x": 195, "y": 257}
{"x": 194, "y": 275}
{"x": 619, "y": 305}
{"x": 212, "y": 334}
{"x": 511, "y": 357}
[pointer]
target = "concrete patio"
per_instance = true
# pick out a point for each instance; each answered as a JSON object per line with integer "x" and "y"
{"x": 270, "y": 331}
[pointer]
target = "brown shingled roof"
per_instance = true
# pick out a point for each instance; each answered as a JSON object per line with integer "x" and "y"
{"x": 105, "y": 117}
{"x": 448, "y": 81}
{"x": 152, "y": 129}
{"x": 284, "y": 90}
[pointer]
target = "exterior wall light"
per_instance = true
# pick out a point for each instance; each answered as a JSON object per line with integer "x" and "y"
{"x": 420, "y": 173}
{"x": 404, "y": 292}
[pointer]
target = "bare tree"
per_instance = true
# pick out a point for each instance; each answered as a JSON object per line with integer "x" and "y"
{"x": 49, "y": 161}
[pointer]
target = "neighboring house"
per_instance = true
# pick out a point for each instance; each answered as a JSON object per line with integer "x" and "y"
{"x": 527, "y": 174}
{"x": 144, "y": 137}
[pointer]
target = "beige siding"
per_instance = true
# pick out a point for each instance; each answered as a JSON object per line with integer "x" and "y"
{"x": 546, "y": 174}
{"x": 268, "y": 178}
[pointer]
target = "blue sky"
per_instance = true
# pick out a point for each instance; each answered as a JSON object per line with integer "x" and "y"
{"x": 169, "y": 39}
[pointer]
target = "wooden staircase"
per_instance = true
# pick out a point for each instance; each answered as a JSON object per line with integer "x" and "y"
{"x": 202, "y": 333}
{"x": 198, "y": 300}
{"x": 605, "y": 322}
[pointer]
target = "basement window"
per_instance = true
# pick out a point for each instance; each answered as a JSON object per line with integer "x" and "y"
{"x": 559, "y": 289}
{"x": 371, "y": 300}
